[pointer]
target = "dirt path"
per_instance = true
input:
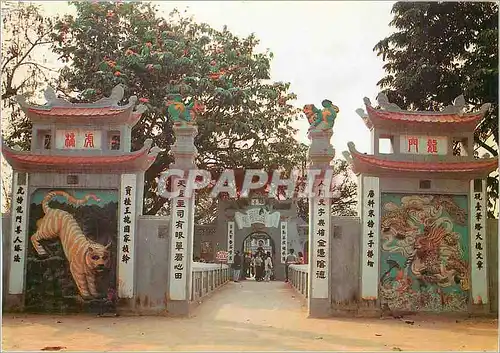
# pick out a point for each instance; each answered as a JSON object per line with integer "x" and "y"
{"x": 246, "y": 316}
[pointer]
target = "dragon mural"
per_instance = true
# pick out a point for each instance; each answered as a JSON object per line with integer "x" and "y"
{"x": 424, "y": 253}
{"x": 182, "y": 114}
{"x": 321, "y": 119}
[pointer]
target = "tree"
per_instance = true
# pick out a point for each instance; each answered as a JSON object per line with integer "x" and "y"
{"x": 247, "y": 117}
{"x": 439, "y": 51}
{"x": 27, "y": 34}
{"x": 246, "y": 123}
{"x": 6, "y": 189}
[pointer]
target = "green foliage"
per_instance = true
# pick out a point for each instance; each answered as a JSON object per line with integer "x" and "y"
{"x": 439, "y": 51}
{"x": 246, "y": 122}
{"x": 247, "y": 118}
{"x": 26, "y": 34}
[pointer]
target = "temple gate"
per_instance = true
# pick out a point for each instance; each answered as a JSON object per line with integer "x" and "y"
{"x": 77, "y": 195}
{"x": 419, "y": 243}
{"x": 258, "y": 221}
{"x": 423, "y": 210}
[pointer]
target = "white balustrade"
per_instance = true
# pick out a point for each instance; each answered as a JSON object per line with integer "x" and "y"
{"x": 298, "y": 276}
{"x": 207, "y": 278}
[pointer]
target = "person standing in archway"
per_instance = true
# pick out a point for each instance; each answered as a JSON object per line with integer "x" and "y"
{"x": 247, "y": 265}
{"x": 290, "y": 260}
{"x": 306, "y": 252}
{"x": 253, "y": 273}
{"x": 268, "y": 266}
{"x": 301, "y": 258}
{"x": 259, "y": 267}
{"x": 237, "y": 266}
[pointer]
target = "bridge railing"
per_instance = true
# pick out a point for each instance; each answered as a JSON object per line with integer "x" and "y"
{"x": 298, "y": 276}
{"x": 207, "y": 278}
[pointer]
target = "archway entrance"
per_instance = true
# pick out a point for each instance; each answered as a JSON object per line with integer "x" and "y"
{"x": 258, "y": 241}
{"x": 252, "y": 244}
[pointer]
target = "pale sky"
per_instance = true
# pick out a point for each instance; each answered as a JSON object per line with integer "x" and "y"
{"x": 323, "y": 48}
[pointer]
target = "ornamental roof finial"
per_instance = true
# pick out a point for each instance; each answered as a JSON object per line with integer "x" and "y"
{"x": 384, "y": 103}
{"x": 457, "y": 107}
{"x": 50, "y": 95}
{"x": 117, "y": 94}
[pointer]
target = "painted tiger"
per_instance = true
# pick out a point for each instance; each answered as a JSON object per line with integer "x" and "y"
{"x": 86, "y": 258}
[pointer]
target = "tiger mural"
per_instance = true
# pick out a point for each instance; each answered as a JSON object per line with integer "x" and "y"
{"x": 86, "y": 258}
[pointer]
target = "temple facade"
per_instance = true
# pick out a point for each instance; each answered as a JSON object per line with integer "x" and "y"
{"x": 257, "y": 220}
{"x": 79, "y": 184}
{"x": 77, "y": 232}
{"x": 423, "y": 210}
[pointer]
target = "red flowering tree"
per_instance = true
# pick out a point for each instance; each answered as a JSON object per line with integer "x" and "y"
{"x": 246, "y": 122}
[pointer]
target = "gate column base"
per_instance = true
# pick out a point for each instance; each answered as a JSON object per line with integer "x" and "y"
{"x": 319, "y": 308}
{"x": 178, "y": 307}
{"x": 480, "y": 309}
{"x": 13, "y": 303}
{"x": 369, "y": 308}
{"x": 348, "y": 309}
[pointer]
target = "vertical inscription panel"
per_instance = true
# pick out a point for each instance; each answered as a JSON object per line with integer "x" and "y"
{"x": 179, "y": 244}
{"x": 126, "y": 249}
{"x": 370, "y": 238}
{"x": 284, "y": 241}
{"x": 230, "y": 242}
{"x": 319, "y": 225}
{"x": 18, "y": 233}
{"x": 478, "y": 233}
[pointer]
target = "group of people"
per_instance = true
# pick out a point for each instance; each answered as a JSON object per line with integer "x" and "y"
{"x": 260, "y": 265}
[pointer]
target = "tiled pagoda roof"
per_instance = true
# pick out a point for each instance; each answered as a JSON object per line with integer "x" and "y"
{"x": 391, "y": 117}
{"x": 136, "y": 161}
{"x": 430, "y": 167}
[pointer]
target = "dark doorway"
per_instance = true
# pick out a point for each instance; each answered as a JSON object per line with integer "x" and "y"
{"x": 258, "y": 241}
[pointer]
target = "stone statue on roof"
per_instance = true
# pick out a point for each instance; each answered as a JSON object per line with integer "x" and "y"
{"x": 323, "y": 119}
{"x": 182, "y": 114}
